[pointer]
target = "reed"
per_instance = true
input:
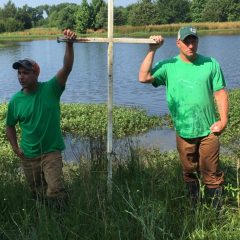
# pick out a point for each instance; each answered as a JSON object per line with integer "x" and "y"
{"x": 129, "y": 31}
{"x": 149, "y": 202}
{"x": 173, "y": 28}
{"x": 33, "y": 33}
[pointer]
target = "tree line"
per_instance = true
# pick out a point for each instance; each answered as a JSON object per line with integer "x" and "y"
{"x": 93, "y": 14}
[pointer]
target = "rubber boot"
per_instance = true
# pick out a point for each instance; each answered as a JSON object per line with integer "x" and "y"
{"x": 193, "y": 193}
{"x": 215, "y": 195}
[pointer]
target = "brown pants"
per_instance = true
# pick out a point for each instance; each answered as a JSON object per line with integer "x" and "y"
{"x": 44, "y": 174}
{"x": 201, "y": 156}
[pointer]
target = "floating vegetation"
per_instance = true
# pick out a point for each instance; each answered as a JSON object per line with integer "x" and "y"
{"x": 90, "y": 120}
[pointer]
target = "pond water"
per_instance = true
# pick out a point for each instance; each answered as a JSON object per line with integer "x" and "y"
{"x": 162, "y": 139}
{"x": 88, "y": 80}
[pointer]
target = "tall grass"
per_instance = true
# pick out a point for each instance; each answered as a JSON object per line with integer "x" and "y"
{"x": 173, "y": 28}
{"x": 204, "y": 28}
{"x": 33, "y": 33}
{"x": 130, "y": 31}
{"x": 149, "y": 202}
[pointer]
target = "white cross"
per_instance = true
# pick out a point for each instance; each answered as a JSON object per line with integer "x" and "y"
{"x": 110, "y": 40}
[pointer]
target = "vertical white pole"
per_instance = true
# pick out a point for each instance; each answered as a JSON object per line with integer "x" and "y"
{"x": 110, "y": 97}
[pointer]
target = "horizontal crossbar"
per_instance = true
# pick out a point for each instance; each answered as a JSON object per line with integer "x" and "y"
{"x": 106, "y": 40}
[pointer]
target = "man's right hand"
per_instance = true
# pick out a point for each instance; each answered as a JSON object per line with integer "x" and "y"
{"x": 19, "y": 152}
{"x": 69, "y": 34}
{"x": 159, "y": 40}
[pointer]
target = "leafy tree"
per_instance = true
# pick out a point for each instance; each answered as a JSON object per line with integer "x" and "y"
{"x": 120, "y": 16}
{"x": 96, "y": 6}
{"x": 53, "y": 13}
{"x": 142, "y": 13}
{"x": 57, "y": 7}
{"x": 219, "y": 10}
{"x": 41, "y": 16}
{"x": 13, "y": 19}
{"x": 36, "y": 15}
{"x": 234, "y": 10}
{"x": 231, "y": 9}
{"x": 53, "y": 19}
{"x": 173, "y": 11}
{"x": 67, "y": 17}
{"x": 1, "y": 14}
{"x": 44, "y": 9}
{"x": 9, "y": 10}
{"x": 63, "y": 16}
{"x": 94, "y": 15}
{"x": 12, "y": 25}
{"x": 102, "y": 18}
{"x": 2, "y": 26}
{"x": 196, "y": 10}
{"x": 83, "y": 16}
{"x": 129, "y": 10}
{"x": 23, "y": 17}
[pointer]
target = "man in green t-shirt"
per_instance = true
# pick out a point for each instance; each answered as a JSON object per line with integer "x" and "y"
{"x": 192, "y": 83}
{"x": 36, "y": 107}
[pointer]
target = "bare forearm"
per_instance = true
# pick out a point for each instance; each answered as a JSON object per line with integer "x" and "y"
{"x": 221, "y": 97}
{"x": 68, "y": 58}
{"x": 146, "y": 67}
{"x": 69, "y": 53}
{"x": 12, "y": 137}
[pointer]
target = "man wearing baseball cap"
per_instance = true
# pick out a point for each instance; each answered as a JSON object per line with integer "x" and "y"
{"x": 28, "y": 64}
{"x": 193, "y": 82}
{"x": 36, "y": 107}
{"x": 184, "y": 32}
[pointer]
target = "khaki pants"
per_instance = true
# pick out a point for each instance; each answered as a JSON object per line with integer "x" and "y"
{"x": 201, "y": 156}
{"x": 44, "y": 174}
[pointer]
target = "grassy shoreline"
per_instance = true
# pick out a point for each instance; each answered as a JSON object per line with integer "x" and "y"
{"x": 126, "y": 31}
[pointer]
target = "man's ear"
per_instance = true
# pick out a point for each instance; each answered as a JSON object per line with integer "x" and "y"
{"x": 178, "y": 42}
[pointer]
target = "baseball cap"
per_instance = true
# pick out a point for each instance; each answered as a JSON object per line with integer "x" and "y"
{"x": 27, "y": 63}
{"x": 187, "y": 31}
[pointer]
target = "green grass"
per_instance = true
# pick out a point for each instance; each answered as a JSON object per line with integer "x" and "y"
{"x": 148, "y": 203}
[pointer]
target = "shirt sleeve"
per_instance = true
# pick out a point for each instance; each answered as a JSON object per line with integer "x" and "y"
{"x": 159, "y": 74}
{"x": 11, "y": 118}
{"x": 55, "y": 87}
{"x": 218, "y": 77}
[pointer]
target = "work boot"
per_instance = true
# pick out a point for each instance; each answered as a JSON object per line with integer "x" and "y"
{"x": 215, "y": 195}
{"x": 59, "y": 202}
{"x": 193, "y": 193}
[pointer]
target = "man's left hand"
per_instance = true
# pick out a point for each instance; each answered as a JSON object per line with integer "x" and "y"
{"x": 218, "y": 127}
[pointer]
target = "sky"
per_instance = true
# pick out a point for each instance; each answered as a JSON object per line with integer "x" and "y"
{"x": 35, "y": 3}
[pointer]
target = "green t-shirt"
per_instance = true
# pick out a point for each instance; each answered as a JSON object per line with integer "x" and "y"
{"x": 38, "y": 115}
{"x": 190, "y": 92}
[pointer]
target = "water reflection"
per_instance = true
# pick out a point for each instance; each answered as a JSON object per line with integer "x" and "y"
{"x": 162, "y": 139}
